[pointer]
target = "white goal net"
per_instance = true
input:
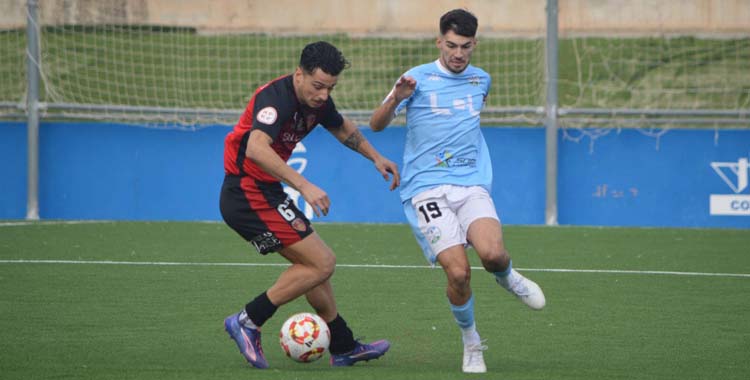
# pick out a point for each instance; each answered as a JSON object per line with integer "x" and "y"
{"x": 103, "y": 63}
{"x": 660, "y": 65}
{"x": 647, "y": 64}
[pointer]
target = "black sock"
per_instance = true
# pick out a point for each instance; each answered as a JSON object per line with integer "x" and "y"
{"x": 260, "y": 309}
{"x": 342, "y": 338}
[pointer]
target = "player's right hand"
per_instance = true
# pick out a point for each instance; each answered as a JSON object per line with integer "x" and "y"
{"x": 316, "y": 198}
{"x": 404, "y": 88}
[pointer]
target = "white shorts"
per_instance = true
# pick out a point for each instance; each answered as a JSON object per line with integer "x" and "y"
{"x": 440, "y": 217}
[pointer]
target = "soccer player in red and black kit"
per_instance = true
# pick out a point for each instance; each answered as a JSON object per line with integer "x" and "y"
{"x": 253, "y": 203}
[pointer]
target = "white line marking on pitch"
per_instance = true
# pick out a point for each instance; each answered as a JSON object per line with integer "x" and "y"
{"x": 52, "y": 222}
{"x": 371, "y": 266}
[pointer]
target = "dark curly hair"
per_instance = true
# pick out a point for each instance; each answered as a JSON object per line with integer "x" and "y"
{"x": 460, "y": 21}
{"x": 324, "y": 56}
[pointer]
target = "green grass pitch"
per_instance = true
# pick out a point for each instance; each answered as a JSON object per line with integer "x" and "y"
{"x": 621, "y": 304}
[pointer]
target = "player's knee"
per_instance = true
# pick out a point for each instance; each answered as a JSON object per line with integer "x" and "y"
{"x": 459, "y": 277}
{"x": 495, "y": 259}
{"x": 326, "y": 266}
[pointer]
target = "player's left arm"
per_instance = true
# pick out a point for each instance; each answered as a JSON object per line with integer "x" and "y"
{"x": 349, "y": 134}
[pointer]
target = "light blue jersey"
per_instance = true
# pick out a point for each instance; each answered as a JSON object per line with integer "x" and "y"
{"x": 444, "y": 144}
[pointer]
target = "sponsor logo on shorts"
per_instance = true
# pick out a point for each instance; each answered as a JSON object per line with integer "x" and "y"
{"x": 433, "y": 234}
{"x": 299, "y": 225}
{"x": 266, "y": 242}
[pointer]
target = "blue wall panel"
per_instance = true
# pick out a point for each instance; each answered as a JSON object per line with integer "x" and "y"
{"x": 630, "y": 179}
{"x": 518, "y": 163}
{"x": 111, "y": 171}
{"x": 13, "y": 170}
{"x": 105, "y": 171}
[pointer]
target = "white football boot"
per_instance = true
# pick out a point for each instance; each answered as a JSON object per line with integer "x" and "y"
{"x": 524, "y": 289}
{"x": 474, "y": 358}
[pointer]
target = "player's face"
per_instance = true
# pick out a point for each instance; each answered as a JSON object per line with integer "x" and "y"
{"x": 313, "y": 89}
{"x": 455, "y": 50}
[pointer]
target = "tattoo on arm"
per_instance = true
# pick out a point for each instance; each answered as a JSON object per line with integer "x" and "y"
{"x": 354, "y": 140}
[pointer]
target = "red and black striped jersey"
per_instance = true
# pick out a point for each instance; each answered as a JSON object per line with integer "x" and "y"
{"x": 275, "y": 109}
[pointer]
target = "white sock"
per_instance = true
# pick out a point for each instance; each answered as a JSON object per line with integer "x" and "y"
{"x": 505, "y": 281}
{"x": 470, "y": 335}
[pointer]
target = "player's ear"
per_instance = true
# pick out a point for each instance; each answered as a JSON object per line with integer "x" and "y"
{"x": 298, "y": 75}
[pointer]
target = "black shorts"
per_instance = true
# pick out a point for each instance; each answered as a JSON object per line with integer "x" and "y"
{"x": 262, "y": 213}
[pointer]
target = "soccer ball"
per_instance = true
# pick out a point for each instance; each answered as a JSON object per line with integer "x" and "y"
{"x": 305, "y": 337}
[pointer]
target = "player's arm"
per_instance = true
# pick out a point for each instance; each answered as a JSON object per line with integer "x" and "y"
{"x": 384, "y": 114}
{"x": 349, "y": 135}
{"x": 260, "y": 152}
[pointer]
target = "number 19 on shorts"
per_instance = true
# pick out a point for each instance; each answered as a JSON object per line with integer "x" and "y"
{"x": 430, "y": 210}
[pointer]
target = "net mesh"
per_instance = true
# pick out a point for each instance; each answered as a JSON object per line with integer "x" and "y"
{"x": 653, "y": 67}
{"x": 113, "y": 68}
{"x": 102, "y": 62}
{"x": 12, "y": 72}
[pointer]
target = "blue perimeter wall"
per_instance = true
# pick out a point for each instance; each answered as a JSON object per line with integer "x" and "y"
{"x": 625, "y": 178}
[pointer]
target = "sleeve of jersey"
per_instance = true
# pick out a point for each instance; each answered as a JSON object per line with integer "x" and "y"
{"x": 332, "y": 118}
{"x": 270, "y": 113}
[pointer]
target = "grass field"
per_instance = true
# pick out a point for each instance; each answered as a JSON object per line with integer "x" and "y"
{"x": 147, "y": 301}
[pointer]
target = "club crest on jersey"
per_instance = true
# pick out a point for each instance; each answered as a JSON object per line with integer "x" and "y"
{"x": 299, "y": 124}
{"x": 474, "y": 81}
{"x": 310, "y": 120}
{"x": 267, "y": 115}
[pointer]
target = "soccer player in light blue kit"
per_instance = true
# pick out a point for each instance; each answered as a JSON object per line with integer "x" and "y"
{"x": 447, "y": 175}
